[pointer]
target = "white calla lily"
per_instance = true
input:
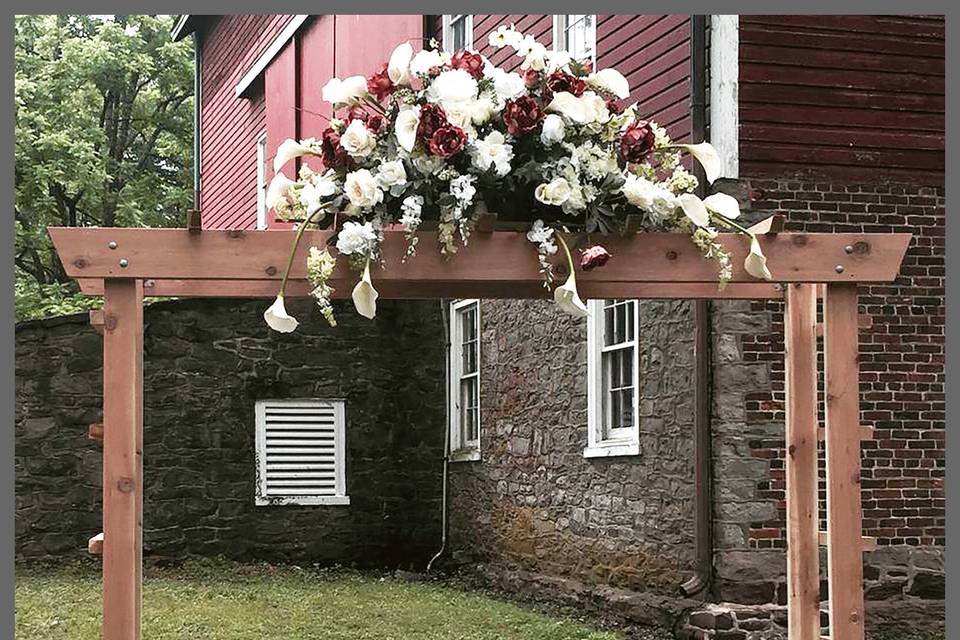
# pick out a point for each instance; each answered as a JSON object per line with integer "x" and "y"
{"x": 724, "y": 204}
{"x": 279, "y": 188}
{"x": 708, "y": 158}
{"x": 278, "y": 319}
{"x": 568, "y": 299}
{"x": 365, "y": 296}
{"x": 344, "y": 92}
{"x": 612, "y": 81}
{"x": 287, "y": 151}
{"x": 405, "y": 128}
{"x": 398, "y": 69}
{"x": 569, "y": 106}
{"x": 755, "y": 262}
{"x": 694, "y": 209}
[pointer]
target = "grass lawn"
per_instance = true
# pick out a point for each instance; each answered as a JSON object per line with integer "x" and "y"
{"x": 226, "y": 601}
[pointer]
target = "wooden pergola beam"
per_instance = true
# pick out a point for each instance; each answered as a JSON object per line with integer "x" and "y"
{"x": 501, "y": 258}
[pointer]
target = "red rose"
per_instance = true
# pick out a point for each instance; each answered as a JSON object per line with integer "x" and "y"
{"x": 434, "y": 71}
{"x": 531, "y": 78}
{"x": 379, "y": 84}
{"x": 472, "y": 63}
{"x": 376, "y": 123}
{"x": 432, "y": 117}
{"x": 559, "y": 81}
{"x": 447, "y": 141}
{"x": 595, "y": 256}
{"x": 522, "y": 115}
{"x": 637, "y": 141}
{"x": 613, "y": 106}
{"x": 332, "y": 154}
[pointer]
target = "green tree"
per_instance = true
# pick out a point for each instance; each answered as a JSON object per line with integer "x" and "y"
{"x": 104, "y": 131}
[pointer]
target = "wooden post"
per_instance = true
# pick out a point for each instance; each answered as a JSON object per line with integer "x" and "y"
{"x": 844, "y": 526}
{"x": 122, "y": 458}
{"x": 803, "y": 557}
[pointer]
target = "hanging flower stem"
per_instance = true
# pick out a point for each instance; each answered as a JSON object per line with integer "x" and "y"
{"x": 293, "y": 249}
{"x": 566, "y": 250}
{"x": 732, "y": 224}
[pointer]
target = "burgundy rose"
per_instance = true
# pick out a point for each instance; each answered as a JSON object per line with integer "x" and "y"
{"x": 531, "y": 78}
{"x": 637, "y": 141}
{"x": 472, "y": 63}
{"x": 522, "y": 115}
{"x": 447, "y": 141}
{"x": 332, "y": 154}
{"x": 592, "y": 257}
{"x": 356, "y": 112}
{"x": 376, "y": 123}
{"x": 559, "y": 81}
{"x": 434, "y": 71}
{"x": 379, "y": 84}
{"x": 613, "y": 106}
{"x": 432, "y": 117}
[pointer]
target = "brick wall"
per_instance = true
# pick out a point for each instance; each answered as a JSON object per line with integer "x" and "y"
{"x": 902, "y": 358}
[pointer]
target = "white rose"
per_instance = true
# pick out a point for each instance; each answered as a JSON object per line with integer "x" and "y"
{"x": 424, "y": 61}
{"x": 459, "y": 112}
{"x": 611, "y": 81}
{"x": 639, "y": 192}
{"x": 392, "y": 174}
{"x": 569, "y": 106}
{"x": 595, "y": 107}
{"x": 427, "y": 164}
{"x": 357, "y": 140}
{"x": 362, "y": 189}
{"x": 492, "y": 151}
{"x": 482, "y": 110}
{"x": 553, "y": 129}
{"x": 452, "y": 86}
{"x": 555, "y": 192}
{"x": 356, "y": 238}
{"x": 345, "y": 92}
{"x": 405, "y": 128}
{"x": 398, "y": 69}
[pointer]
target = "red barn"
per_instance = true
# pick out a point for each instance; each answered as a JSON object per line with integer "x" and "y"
{"x": 837, "y": 122}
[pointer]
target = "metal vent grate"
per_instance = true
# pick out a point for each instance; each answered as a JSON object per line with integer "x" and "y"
{"x": 300, "y": 452}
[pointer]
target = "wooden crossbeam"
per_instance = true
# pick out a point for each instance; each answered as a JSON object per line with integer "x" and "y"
{"x": 95, "y": 545}
{"x": 865, "y": 432}
{"x": 869, "y": 543}
{"x": 863, "y": 322}
{"x": 501, "y": 258}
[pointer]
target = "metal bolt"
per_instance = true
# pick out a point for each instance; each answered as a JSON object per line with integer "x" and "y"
{"x": 848, "y": 249}
{"x": 123, "y": 263}
{"x": 112, "y": 244}
{"x": 838, "y": 268}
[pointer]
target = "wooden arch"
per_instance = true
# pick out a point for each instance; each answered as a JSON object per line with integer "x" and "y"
{"x": 123, "y": 265}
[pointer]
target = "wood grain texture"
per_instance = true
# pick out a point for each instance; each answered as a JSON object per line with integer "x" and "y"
{"x": 122, "y": 458}
{"x": 507, "y": 258}
{"x": 844, "y": 527}
{"x": 803, "y": 566}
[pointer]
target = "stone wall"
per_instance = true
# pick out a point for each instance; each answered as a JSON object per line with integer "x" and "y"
{"x": 533, "y": 501}
{"x": 206, "y": 364}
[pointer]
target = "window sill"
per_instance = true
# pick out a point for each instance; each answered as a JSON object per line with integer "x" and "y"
{"x": 303, "y": 501}
{"x": 465, "y": 455}
{"x": 608, "y": 450}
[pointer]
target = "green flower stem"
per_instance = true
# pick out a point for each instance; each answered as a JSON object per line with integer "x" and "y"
{"x": 731, "y": 223}
{"x": 566, "y": 250}
{"x": 293, "y": 250}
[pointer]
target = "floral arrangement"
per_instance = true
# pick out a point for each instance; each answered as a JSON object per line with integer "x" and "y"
{"x": 439, "y": 139}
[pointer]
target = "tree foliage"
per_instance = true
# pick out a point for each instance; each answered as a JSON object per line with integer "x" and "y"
{"x": 104, "y": 128}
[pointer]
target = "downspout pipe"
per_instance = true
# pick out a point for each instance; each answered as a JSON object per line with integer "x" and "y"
{"x": 702, "y": 579}
{"x": 196, "y": 120}
{"x": 444, "y": 307}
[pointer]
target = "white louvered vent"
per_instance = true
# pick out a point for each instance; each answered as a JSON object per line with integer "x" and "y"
{"x": 300, "y": 452}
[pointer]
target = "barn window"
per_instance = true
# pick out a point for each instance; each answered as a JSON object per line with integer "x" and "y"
{"x": 613, "y": 378}
{"x": 300, "y": 452}
{"x": 262, "y": 181}
{"x": 577, "y": 35}
{"x": 464, "y": 388}
{"x": 457, "y": 32}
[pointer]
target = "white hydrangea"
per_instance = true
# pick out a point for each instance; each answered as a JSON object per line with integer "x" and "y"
{"x": 356, "y": 238}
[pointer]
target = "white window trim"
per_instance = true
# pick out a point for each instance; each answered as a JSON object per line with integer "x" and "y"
{"x": 341, "y": 497}
{"x": 459, "y": 451}
{"x": 724, "y": 91}
{"x": 269, "y": 54}
{"x": 629, "y": 443}
{"x": 559, "y": 33}
{"x": 262, "y": 181}
{"x": 447, "y": 30}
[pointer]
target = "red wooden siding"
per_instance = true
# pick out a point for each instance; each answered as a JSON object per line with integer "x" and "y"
{"x": 842, "y": 97}
{"x": 229, "y": 125}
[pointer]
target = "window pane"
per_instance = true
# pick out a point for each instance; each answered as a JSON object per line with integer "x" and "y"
{"x": 469, "y": 409}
